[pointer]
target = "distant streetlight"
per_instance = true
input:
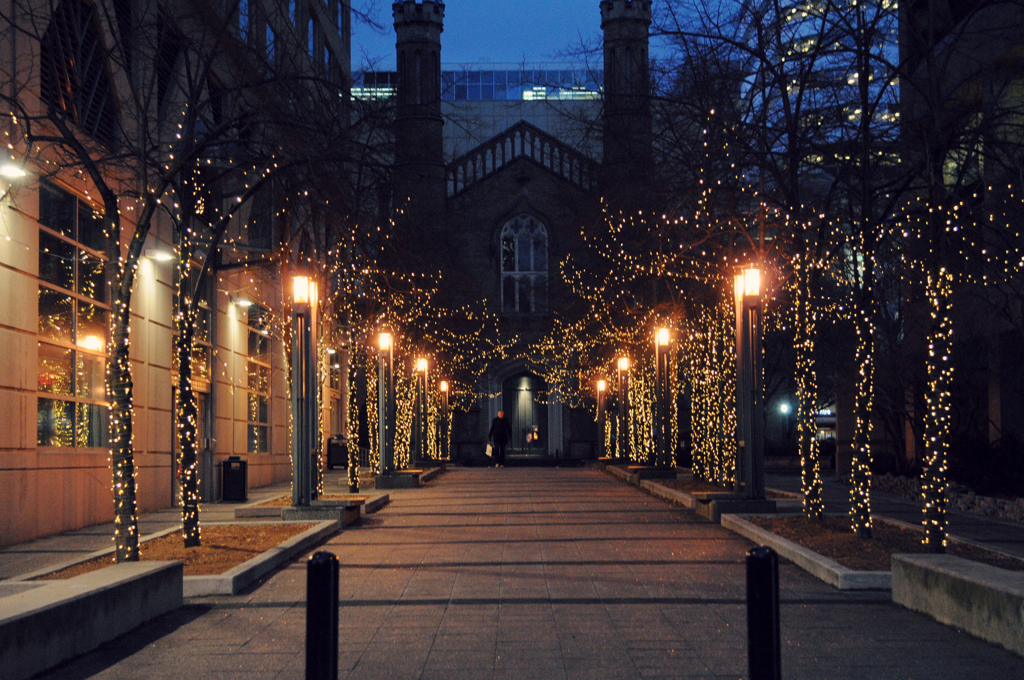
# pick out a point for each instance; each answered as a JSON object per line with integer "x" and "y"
{"x": 385, "y": 403}
{"x": 749, "y": 391}
{"x": 622, "y": 426}
{"x": 304, "y": 390}
{"x": 662, "y": 400}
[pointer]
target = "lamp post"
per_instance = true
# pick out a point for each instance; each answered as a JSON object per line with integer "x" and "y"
{"x": 420, "y": 451}
{"x": 385, "y": 403}
{"x": 442, "y": 430}
{"x": 622, "y": 426}
{"x": 602, "y": 396}
{"x": 749, "y": 392}
{"x": 662, "y": 400}
{"x": 304, "y": 390}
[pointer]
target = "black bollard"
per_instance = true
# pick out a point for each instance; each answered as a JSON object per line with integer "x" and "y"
{"x": 322, "y": 617}
{"x": 763, "y": 637}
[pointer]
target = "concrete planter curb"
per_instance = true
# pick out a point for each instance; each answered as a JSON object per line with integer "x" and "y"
{"x": 247, "y": 573}
{"x": 620, "y": 472}
{"x": 368, "y": 503}
{"x": 672, "y": 495}
{"x": 829, "y": 571}
{"x": 981, "y": 599}
{"x": 59, "y": 620}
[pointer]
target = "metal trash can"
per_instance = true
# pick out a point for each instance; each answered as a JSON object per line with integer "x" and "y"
{"x": 233, "y": 479}
{"x": 337, "y": 452}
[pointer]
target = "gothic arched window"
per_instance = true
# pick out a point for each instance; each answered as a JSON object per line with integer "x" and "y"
{"x": 524, "y": 266}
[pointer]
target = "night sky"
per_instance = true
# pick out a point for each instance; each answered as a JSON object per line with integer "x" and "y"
{"x": 500, "y": 31}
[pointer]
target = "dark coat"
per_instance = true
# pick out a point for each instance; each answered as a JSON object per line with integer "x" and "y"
{"x": 501, "y": 431}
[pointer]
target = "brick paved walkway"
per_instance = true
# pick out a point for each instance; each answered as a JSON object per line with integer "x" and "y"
{"x": 541, "y": 574}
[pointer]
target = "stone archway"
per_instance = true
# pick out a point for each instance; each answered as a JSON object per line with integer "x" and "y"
{"x": 525, "y": 402}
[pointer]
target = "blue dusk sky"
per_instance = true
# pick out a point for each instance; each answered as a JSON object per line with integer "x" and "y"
{"x": 505, "y": 31}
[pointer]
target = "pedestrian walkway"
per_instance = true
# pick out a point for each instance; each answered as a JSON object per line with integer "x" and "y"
{"x": 541, "y": 574}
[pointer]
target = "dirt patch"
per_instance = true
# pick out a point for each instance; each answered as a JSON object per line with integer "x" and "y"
{"x": 286, "y": 501}
{"x": 833, "y": 538}
{"x": 223, "y": 547}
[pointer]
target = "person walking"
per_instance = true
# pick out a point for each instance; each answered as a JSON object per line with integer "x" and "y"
{"x": 500, "y": 434}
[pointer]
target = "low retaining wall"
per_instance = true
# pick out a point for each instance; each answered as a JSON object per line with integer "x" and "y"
{"x": 241, "y": 577}
{"x": 983, "y": 600}
{"x": 41, "y": 627}
{"x": 829, "y": 571}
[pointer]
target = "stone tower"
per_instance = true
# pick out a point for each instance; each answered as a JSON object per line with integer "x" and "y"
{"x": 627, "y": 97}
{"x": 419, "y": 172}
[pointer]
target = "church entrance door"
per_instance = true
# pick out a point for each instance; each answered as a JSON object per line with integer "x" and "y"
{"x": 524, "y": 397}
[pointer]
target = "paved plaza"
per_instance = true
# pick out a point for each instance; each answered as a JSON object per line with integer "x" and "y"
{"x": 541, "y": 574}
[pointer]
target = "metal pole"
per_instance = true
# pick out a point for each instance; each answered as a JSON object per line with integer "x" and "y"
{"x": 322, "y": 617}
{"x": 741, "y": 395}
{"x": 300, "y": 413}
{"x": 756, "y": 455}
{"x": 602, "y": 451}
{"x": 622, "y": 433}
{"x": 392, "y": 463}
{"x": 312, "y": 423}
{"x": 763, "y": 636}
{"x": 382, "y": 414}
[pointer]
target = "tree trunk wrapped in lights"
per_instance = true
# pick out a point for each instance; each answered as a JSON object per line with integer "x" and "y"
{"x": 934, "y": 475}
{"x": 188, "y": 414}
{"x": 712, "y": 366}
{"x": 807, "y": 391}
{"x": 122, "y": 454}
{"x": 352, "y": 423}
{"x": 860, "y": 491}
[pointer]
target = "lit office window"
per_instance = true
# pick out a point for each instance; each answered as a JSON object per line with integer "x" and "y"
{"x": 73, "y": 316}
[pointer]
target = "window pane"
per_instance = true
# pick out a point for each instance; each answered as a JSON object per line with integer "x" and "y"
{"x": 57, "y": 210}
{"x": 258, "y": 436}
{"x": 56, "y": 261}
{"x": 91, "y": 426}
{"x": 90, "y": 277}
{"x": 55, "y": 369}
{"x": 540, "y": 293}
{"x": 540, "y": 254}
{"x": 89, "y": 378}
{"x": 203, "y": 325}
{"x": 508, "y": 254}
{"x": 259, "y": 347}
{"x": 259, "y": 408}
{"x": 259, "y": 378}
{"x": 525, "y": 299}
{"x": 201, "y": 362}
{"x": 92, "y": 327}
{"x": 90, "y": 228}
{"x": 525, "y": 260}
{"x": 55, "y": 423}
{"x": 55, "y": 315}
{"x": 508, "y": 294}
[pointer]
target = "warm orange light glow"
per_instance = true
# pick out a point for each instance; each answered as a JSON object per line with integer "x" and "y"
{"x": 752, "y": 282}
{"x": 421, "y": 364}
{"x": 444, "y": 386}
{"x": 602, "y": 385}
{"x": 385, "y": 341}
{"x": 663, "y": 337}
{"x": 92, "y": 342}
{"x": 301, "y": 290}
{"x": 623, "y": 363}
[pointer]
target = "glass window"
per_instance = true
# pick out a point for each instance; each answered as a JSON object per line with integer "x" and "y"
{"x": 259, "y": 372}
{"x": 72, "y": 323}
{"x": 524, "y": 255}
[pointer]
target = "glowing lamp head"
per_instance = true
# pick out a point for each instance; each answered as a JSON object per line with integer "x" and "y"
{"x": 444, "y": 386}
{"x": 385, "y": 342}
{"x": 159, "y": 255}
{"x": 623, "y": 363}
{"x": 301, "y": 293}
{"x": 241, "y": 301}
{"x": 10, "y": 170}
{"x": 784, "y": 408}
{"x": 421, "y": 364}
{"x": 602, "y": 385}
{"x": 663, "y": 337}
{"x": 752, "y": 282}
